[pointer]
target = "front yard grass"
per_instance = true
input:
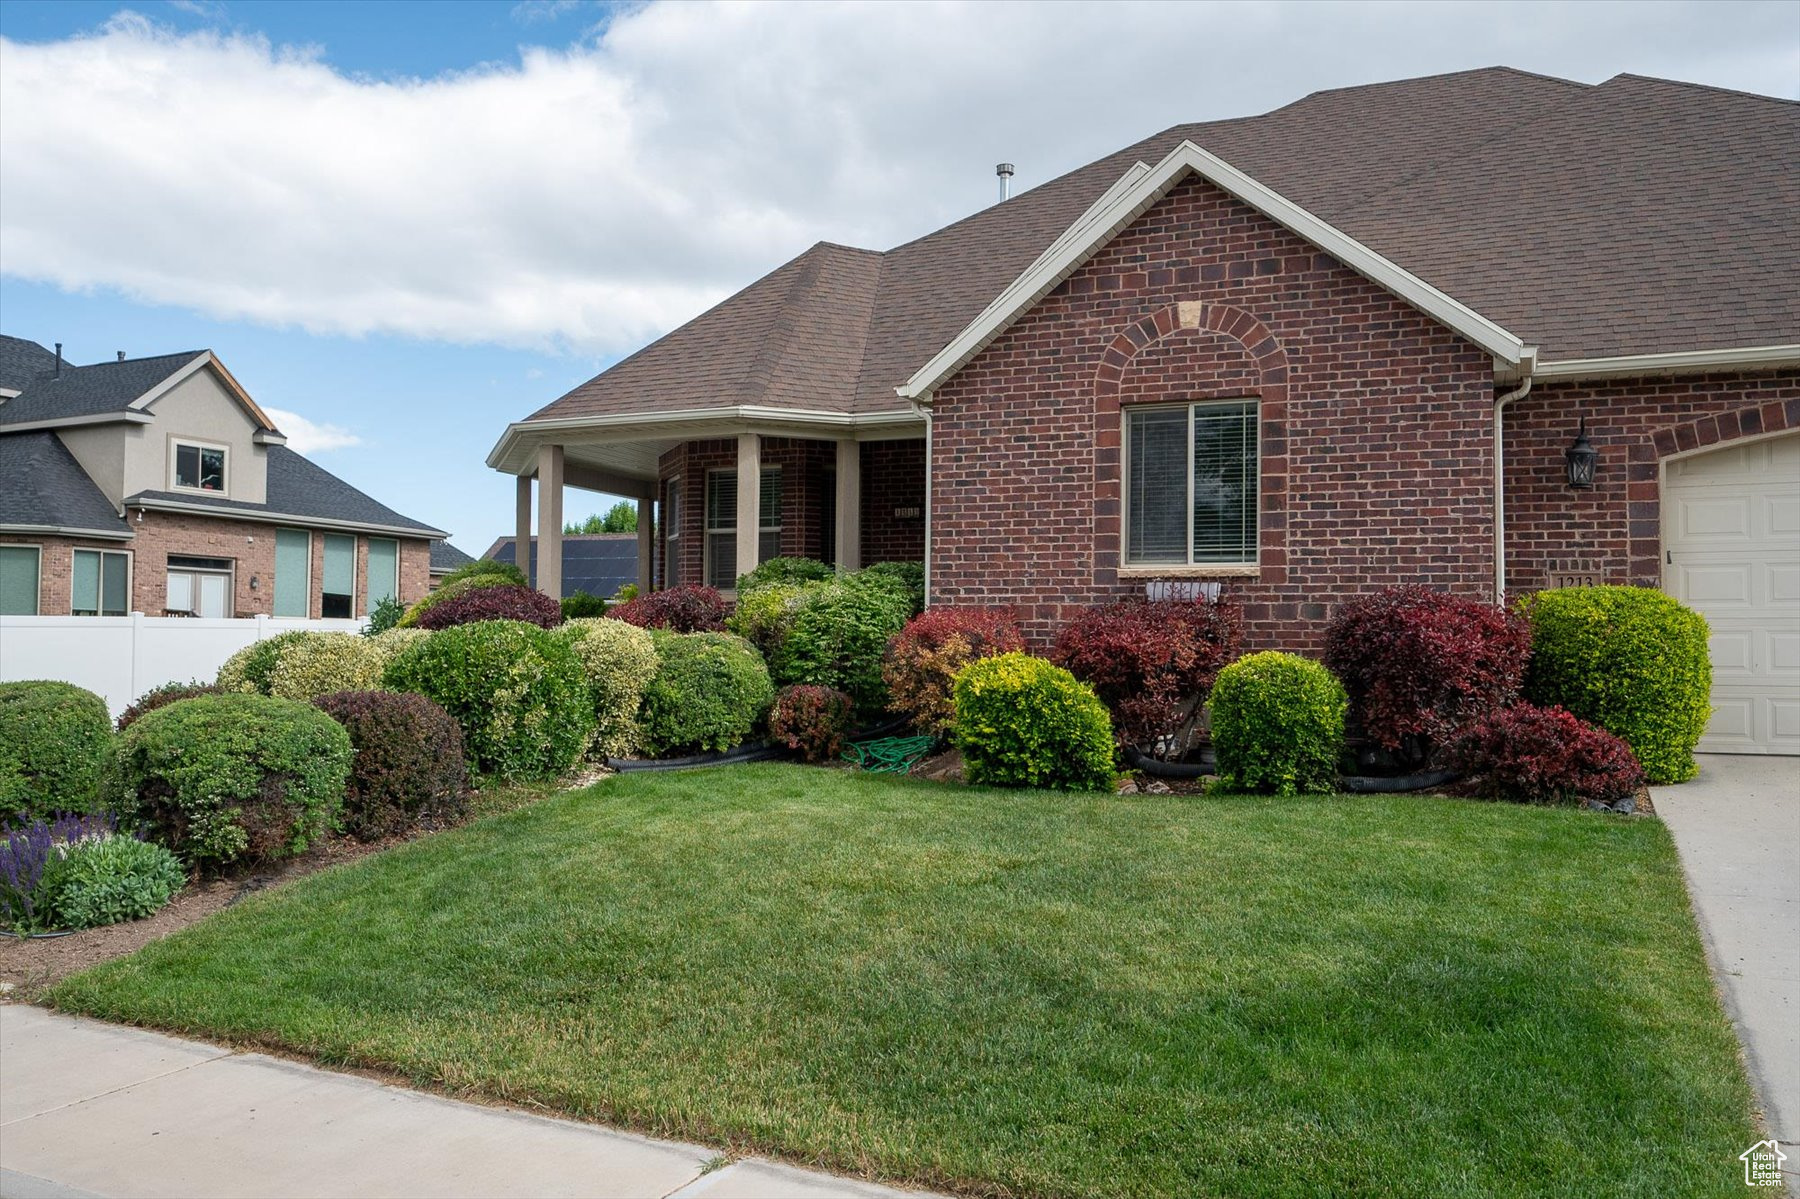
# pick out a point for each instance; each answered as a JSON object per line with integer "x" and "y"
{"x": 1018, "y": 993}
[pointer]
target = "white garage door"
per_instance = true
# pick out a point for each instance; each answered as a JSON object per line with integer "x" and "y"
{"x": 1731, "y": 532}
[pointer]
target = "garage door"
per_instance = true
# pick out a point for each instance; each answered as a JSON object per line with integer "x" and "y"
{"x": 1731, "y": 529}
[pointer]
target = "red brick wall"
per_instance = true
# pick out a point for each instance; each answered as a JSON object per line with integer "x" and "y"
{"x": 250, "y": 546}
{"x": 893, "y": 484}
{"x": 1375, "y": 426}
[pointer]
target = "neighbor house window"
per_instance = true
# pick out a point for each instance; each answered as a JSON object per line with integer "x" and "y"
{"x": 1190, "y": 484}
{"x": 200, "y": 586}
{"x": 199, "y": 467}
{"x": 19, "y": 566}
{"x": 384, "y": 571}
{"x": 100, "y": 583}
{"x": 337, "y": 587}
{"x": 721, "y": 524}
{"x": 293, "y": 572}
{"x": 671, "y": 519}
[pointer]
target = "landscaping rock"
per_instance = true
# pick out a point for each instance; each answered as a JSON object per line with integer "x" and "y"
{"x": 1157, "y": 787}
{"x": 946, "y": 767}
{"x": 1128, "y": 787}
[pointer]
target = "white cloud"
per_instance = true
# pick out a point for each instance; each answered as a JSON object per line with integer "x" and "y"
{"x": 311, "y": 437}
{"x": 594, "y": 196}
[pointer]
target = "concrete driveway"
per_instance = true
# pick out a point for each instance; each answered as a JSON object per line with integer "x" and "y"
{"x": 1737, "y": 828}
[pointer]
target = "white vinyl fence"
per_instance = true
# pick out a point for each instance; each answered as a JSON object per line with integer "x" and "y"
{"x": 121, "y": 657}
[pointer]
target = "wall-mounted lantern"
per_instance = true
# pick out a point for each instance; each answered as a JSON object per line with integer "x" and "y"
{"x": 1582, "y": 459}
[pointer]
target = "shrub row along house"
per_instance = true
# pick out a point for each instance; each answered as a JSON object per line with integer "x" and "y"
{"x": 157, "y": 485}
{"x": 1491, "y": 332}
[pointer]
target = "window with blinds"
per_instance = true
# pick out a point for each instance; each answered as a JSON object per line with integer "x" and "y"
{"x": 721, "y": 524}
{"x": 1191, "y": 484}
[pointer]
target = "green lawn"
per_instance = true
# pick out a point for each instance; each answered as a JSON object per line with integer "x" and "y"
{"x": 1019, "y": 993}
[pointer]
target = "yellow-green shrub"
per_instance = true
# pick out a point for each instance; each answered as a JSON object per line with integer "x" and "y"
{"x": 316, "y": 664}
{"x": 620, "y": 660}
{"x": 1278, "y": 725}
{"x": 1025, "y": 722}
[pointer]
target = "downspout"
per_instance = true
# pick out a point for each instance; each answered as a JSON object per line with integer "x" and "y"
{"x": 1517, "y": 393}
{"x": 923, "y": 409}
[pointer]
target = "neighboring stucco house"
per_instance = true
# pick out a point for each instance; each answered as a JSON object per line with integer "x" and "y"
{"x": 1303, "y": 355}
{"x": 156, "y": 485}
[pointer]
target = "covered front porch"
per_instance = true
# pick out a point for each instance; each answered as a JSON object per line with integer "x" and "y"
{"x": 717, "y": 496}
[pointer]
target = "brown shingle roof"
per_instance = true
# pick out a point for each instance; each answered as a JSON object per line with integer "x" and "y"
{"x": 1638, "y": 216}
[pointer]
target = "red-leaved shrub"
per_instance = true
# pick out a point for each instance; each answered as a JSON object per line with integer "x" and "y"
{"x": 409, "y": 760}
{"x": 1152, "y": 662}
{"x": 1546, "y": 755}
{"x": 1421, "y": 665}
{"x": 509, "y": 602}
{"x": 813, "y": 720}
{"x": 924, "y": 657}
{"x": 684, "y": 609}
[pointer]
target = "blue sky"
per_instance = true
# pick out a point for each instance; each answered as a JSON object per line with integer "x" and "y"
{"x": 410, "y": 223}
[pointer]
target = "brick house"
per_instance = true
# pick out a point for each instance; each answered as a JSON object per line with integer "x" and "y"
{"x": 156, "y": 485}
{"x": 1345, "y": 344}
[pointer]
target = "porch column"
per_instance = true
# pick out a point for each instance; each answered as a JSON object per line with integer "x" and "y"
{"x": 646, "y": 510}
{"x": 550, "y": 521}
{"x": 522, "y": 526}
{"x": 849, "y": 505}
{"x": 749, "y": 501}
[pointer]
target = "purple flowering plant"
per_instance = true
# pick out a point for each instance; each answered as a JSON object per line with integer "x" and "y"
{"x": 25, "y": 849}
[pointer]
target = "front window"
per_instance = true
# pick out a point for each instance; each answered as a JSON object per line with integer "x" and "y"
{"x": 199, "y": 467}
{"x": 384, "y": 571}
{"x": 337, "y": 585}
{"x": 721, "y": 524}
{"x": 19, "y": 566}
{"x": 1191, "y": 484}
{"x": 100, "y": 583}
{"x": 200, "y": 586}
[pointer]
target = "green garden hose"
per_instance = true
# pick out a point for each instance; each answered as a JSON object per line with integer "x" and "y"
{"x": 890, "y": 755}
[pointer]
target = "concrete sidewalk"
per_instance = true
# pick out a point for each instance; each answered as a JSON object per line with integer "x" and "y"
{"x": 1737, "y": 828}
{"x": 93, "y": 1109}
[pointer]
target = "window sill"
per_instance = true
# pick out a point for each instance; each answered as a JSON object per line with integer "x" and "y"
{"x": 1222, "y": 571}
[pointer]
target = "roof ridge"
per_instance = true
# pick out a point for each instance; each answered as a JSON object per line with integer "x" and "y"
{"x": 1496, "y": 69}
{"x": 1699, "y": 87}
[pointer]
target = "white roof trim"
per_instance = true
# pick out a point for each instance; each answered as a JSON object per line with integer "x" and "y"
{"x": 648, "y": 424}
{"x": 170, "y": 382}
{"x": 1140, "y": 189}
{"x": 68, "y": 531}
{"x": 1685, "y": 362}
{"x": 65, "y": 422}
{"x": 258, "y": 516}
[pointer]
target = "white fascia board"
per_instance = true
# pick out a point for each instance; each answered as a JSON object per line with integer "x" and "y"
{"x": 69, "y": 422}
{"x": 682, "y": 423}
{"x": 1685, "y": 362}
{"x": 1087, "y": 236}
{"x": 173, "y": 381}
{"x": 268, "y": 437}
{"x": 284, "y": 518}
{"x": 67, "y": 531}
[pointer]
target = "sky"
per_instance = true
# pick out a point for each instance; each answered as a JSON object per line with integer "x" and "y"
{"x": 404, "y": 225}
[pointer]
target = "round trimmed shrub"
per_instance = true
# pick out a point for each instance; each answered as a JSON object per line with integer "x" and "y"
{"x": 924, "y": 658}
{"x": 1278, "y": 725}
{"x": 839, "y": 635}
{"x": 162, "y": 697}
{"x": 484, "y": 572}
{"x": 250, "y": 669}
{"x": 907, "y": 578}
{"x": 679, "y": 609}
{"x": 108, "y": 880}
{"x": 784, "y": 570}
{"x": 1419, "y": 665}
{"x": 620, "y": 660}
{"x": 707, "y": 695}
{"x": 1547, "y": 756}
{"x": 1629, "y": 659}
{"x": 503, "y": 602}
{"x": 393, "y": 641}
{"x": 581, "y": 605}
{"x": 313, "y": 664}
{"x": 518, "y": 693}
{"x": 408, "y": 763}
{"x": 764, "y": 616}
{"x": 813, "y": 720}
{"x": 53, "y": 746}
{"x": 227, "y": 778}
{"x": 1152, "y": 663}
{"x": 1025, "y": 722}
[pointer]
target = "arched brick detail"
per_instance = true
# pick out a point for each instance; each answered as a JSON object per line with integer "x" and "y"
{"x": 1267, "y": 362}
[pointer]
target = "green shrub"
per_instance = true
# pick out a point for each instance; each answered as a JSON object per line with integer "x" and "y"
{"x": 518, "y": 693}
{"x": 784, "y": 570}
{"x": 581, "y": 605}
{"x": 1629, "y": 659}
{"x": 393, "y": 641}
{"x": 384, "y": 615}
{"x": 482, "y": 573}
{"x": 619, "y": 660}
{"x": 53, "y": 744}
{"x": 250, "y": 669}
{"x": 764, "y": 616}
{"x": 708, "y": 693}
{"x": 1025, "y": 722}
{"x": 839, "y": 635}
{"x": 625, "y": 594}
{"x": 1278, "y": 725}
{"x": 908, "y": 578}
{"x": 107, "y": 880}
{"x": 224, "y": 778}
{"x": 161, "y": 697}
{"x": 314, "y": 664}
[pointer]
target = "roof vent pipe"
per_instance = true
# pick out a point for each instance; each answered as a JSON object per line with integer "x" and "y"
{"x": 59, "y": 360}
{"x": 1005, "y": 171}
{"x": 121, "y": 354}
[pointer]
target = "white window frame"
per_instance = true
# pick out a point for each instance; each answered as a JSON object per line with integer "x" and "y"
{"x": 37, "y": 592}
{"x": 100, "y": 599}
{"x": 229, "y": 574}
{"x": 707, "y": 532}
{"x": 175, "y": 446}
{"x": 671, "y": 516}
{"x": 1188, "y": 567}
